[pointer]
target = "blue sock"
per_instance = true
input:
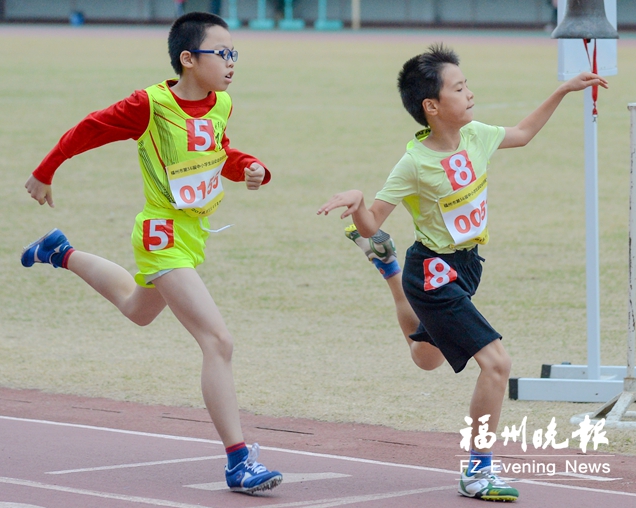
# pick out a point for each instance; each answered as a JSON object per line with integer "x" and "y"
{"x": 60, "y": 259}
{"x": 236, "y": 454}
{"x": 477, "y": 461}
{"x": 387, "y": 270}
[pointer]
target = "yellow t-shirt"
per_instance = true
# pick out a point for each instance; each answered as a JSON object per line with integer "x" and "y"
{"x": 445, "y": 192}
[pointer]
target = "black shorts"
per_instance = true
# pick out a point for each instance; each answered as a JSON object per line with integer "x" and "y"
{"x": 439, "y": 287}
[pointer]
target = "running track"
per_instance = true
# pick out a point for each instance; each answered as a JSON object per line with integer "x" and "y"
{"x": 66, "y": 452}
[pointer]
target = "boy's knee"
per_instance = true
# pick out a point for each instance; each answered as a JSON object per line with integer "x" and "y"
{"x": 502, "y": 366}
{"x": 226, "y": 346}
{"x": 142, "y": 320}
{"x": 426, "y": 358}
{"x": 221, "y": 344}
{"x": 495, "y": 360}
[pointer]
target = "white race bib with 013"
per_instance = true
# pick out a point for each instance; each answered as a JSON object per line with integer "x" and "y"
{"x": 196, "y": 184}
{"x": 465, "y": 212}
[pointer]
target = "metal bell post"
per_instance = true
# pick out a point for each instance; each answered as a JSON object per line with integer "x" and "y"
{"x": 584, "y": 20}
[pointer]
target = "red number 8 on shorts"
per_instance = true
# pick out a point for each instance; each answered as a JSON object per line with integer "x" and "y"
{"x": 437, "y": 273}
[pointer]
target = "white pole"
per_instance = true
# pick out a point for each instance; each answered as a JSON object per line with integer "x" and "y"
{"x": 355, "y": 14}
{"x": 631, "y": 325}
{"x": 591, "y": 239}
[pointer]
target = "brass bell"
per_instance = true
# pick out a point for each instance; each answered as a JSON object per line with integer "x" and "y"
{"x": 585, "y": 19}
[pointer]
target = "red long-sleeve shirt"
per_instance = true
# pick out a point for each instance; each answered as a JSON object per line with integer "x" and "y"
{"x": 128, "y": 119}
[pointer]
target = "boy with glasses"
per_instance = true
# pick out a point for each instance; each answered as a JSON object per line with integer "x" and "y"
{"x": 441, "y": 180}
{"x": 179, "y": 126}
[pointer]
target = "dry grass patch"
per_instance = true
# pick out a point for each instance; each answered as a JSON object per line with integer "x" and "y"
{"x": 315, "y": 332}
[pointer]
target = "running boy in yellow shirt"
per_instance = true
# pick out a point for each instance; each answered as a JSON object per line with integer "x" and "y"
{"x": 441, "y": 180}
{"x": 183, "y": 151}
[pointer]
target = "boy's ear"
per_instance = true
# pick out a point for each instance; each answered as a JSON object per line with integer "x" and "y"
{"x": 430, "y": 107}
{"x": 187, "y": 59}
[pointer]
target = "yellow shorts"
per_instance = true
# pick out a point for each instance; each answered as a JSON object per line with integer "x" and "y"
{"x": 165, "y": 239}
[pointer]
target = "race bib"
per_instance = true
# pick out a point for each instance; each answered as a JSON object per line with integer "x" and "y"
{"x": 196, "y": 184}
{"x": 437, "y": 273}
{"x": 465, "y": 212}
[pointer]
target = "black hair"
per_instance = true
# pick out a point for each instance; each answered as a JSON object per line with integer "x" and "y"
{"x": 421, "y": 78}
{"x": 188, "y": 32}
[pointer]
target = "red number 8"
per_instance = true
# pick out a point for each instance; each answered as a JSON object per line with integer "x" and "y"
{"x": 437, "y": 273}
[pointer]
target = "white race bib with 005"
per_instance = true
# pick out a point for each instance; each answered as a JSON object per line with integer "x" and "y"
{"x": 465, "y": 212}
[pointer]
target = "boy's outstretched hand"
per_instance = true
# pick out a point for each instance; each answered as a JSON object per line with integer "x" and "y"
{"x": 254, "y": 176}
{"x": 352, "y": 199}
{"x": 522, "y": 133}
{"x": 584, "y": 80}
{"x": 39, "y": 191}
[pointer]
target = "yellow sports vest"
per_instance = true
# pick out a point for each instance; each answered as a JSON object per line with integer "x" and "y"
{"x": 181, "y": 157}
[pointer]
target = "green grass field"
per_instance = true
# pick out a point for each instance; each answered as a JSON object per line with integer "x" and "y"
{"x": 316, "y": 335}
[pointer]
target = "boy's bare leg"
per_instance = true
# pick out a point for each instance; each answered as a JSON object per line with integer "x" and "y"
{"x": 117, "y": 285}
{"x": 425, "y": 355}
{"x": 381, "y": 251}
{"x": 188, "y": 298}
{"x": 490, "y": 389}
{"x": 184, "y": 292}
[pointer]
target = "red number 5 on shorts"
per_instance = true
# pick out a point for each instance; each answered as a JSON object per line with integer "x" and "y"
{"x": 437, "y": 273}
{"x": 158, "y": 234}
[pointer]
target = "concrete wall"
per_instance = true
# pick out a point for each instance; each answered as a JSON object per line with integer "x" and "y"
{"x": 528, "y": 13}
{"x": 520, "y": 12}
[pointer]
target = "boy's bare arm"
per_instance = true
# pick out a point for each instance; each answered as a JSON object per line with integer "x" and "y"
{"x": 524, "y": 131}
{"x": 367, "y": 220}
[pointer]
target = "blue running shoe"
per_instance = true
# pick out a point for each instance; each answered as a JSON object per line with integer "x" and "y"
{"x": 249, "y": 476}
{"x": 51, "y": 248}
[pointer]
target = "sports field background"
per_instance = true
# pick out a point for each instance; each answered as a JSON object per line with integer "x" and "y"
{"x": 316, "y": 335}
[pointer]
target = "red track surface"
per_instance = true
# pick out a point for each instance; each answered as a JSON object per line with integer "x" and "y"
{"x": 61, "y": 451}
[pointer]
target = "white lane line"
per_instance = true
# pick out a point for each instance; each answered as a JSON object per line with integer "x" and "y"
{"x": 137, "y": 464}
{"x": 18, "y": 505}
{"x": 362, "y": 461}
{"x": 287, "y": 479}
{"x": 586, "y": 477}
{"x": 573, "y": 487}
{"x": 341, "y": 501}
{"x": 94, "y": 493}
{"x": 199, "y": 440}
{"x": 117, "y": 431}
{"x": 298, "y": 452}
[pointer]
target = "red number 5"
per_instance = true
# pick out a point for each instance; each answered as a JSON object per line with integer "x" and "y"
{"x": 200, "y": 135}
{"x": 158, "y": 234}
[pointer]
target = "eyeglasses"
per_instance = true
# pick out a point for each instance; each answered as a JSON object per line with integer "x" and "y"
{"x": 225, "y": 53}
